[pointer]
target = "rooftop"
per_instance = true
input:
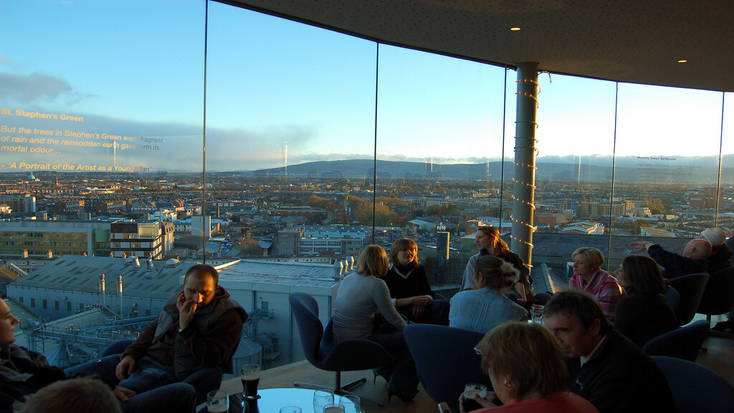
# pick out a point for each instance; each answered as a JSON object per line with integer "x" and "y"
{"x": 80, "y": 273}
{"x": 279, "y": 273}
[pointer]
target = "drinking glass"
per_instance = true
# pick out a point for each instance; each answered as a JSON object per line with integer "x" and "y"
{"x": 290, "y": 409}
{"x": 321, "y": 399}
{"x": 333, "y": 408}
{"x": 250, "y": 375}
{"x": 217, "y": 401}
{"x": 536, "y": 314}
{"x": 350, "y": 403}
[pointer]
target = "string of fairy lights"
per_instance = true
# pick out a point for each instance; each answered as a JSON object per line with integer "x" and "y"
{"x": 533, "y": 168}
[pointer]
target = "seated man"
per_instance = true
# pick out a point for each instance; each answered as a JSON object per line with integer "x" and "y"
{"x": 605, "y": 368}
{"x": 24, "y": 372}
{"x": 693, "y": 260}
{"x": 198, "y": 328}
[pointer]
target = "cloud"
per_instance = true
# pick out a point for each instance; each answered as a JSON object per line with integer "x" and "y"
{"x": 26, "y": 89}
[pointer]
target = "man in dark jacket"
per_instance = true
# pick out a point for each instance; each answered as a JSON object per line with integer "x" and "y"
{"x": 198, "y": 328}
{"x": 694, "y": 258}
{"x": 605, "y": 368}
{"x": 24, "y": 372}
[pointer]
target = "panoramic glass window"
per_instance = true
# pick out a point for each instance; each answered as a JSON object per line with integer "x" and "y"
{"x": 290, "y": 144}
{"x": 574, "y": 159}
{"x": 667, "y": 164}
{"x": 439, "y": 152}
{"x": 101, "y": 108}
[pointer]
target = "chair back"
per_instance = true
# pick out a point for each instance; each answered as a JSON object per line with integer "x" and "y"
{"x": 672, "y": 297}
{"x": 684, "y": 342}
{"x": 445, "y": 359}
{"x": 695, "y": 388}
{"x": 718, "y": 297}
{"x": 691, "y": 288}
{"x": 306, "y": 312}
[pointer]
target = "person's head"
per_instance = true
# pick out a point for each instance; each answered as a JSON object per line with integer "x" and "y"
{"x": 404, "y": 252}
{"x": 494, "y": 273}
{"x": 7, "y": 324}
{"x": 200, "y": 284}
{"x": 523, "y": 359}
{"x": 488, "y": 238}
{"x": 641, "y": 275}
{"x": 714, "y": 236}
{"x": 587, "y": 261}
{"x": 577, "y": 320}
{"x": 697, "y": 249}
{"x": 372, "y": 261}
{"x": 82, "y": 395}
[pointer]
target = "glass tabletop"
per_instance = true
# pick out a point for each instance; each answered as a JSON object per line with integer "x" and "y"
{"x": 271, "y": 400}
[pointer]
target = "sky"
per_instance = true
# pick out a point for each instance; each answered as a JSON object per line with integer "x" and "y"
{"x": 136, "y": 68}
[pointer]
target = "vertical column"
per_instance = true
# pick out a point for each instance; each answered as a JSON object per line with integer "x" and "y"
{"x": 523, "y": 191}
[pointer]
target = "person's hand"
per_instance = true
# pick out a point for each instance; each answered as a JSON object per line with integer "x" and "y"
{"x": 418, "y": 310}
{"x": 536, "y": 309}
{"x": 421, "y": 299}
{"x": 186, "y": 310}
{"x": 640, "y": 245}
{"x": 123, "y": 393}
{"x": 488, "y": 402}
{"x": 125, "y": 367}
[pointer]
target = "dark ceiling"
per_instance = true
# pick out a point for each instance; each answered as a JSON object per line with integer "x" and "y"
{"x": 637, "y": 41}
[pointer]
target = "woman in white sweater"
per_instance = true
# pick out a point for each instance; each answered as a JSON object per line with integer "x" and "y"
{"x": 360, "y": 297}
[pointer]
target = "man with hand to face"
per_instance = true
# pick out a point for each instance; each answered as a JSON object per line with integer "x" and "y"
{"x": 24, "y": 372}
{"x": 198, "y": 328}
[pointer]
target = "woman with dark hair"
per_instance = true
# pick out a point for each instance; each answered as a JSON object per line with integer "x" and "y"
{"x": 409, "y": 288}
{"x": 360, "y": 297}
{"x": 489, "y": 242}
{"x": 643, "y": 312}
{"x": 527, "y": 372}
{"x": 486, "y": 306}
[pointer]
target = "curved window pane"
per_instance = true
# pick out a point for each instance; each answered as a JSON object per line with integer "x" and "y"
{"x": 439, "y": 151}
{"x": 667, "y": 160}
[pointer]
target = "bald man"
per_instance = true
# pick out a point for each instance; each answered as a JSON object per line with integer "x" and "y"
{"x": 693, "y": 260}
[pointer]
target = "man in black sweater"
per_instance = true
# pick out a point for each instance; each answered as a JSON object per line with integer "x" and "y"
{"x": 605, "y": 368}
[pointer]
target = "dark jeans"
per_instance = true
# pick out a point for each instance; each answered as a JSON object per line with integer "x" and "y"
{"x": 404, "y": 378}
{"x": 152, "y": 383}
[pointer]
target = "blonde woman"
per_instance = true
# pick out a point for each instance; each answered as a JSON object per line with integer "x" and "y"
{"x": 485, "y": 305}
{"x": 361, "y": 296}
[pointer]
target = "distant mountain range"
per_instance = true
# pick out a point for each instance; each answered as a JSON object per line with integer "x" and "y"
{"x": 651, "y": 170}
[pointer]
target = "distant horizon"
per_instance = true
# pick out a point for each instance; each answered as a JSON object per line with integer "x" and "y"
{"x": 692, "y": 170}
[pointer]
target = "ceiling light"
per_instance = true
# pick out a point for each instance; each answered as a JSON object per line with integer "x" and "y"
{"x": 682, "y": 60}
{"x": 514, "y": 29}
